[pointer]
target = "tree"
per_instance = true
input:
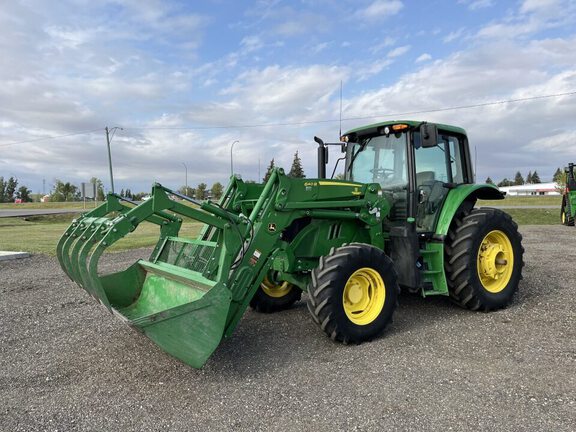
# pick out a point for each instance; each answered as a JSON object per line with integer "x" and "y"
{"x": 518, "y": 179}
{"x": 296, "y": 171}
{"x": 529, "y": 178}
{"x": 99, "y": 188}
{"x": 64, "y": 192}
{"x": 505, "y": 183}
{"x": 217, "y": 190}
{"x": 10, "y": 191}
{"x": 489, "y": 181}
{"x": 187, "y": 191}
{"x": 201, "y": 191}
{"x": 269, "y": 171}
{"x": 557, "y": 175}
{"x": 535, "y": 177}
{"x": 24, "y": 194}
{"x": 2, "y": 190}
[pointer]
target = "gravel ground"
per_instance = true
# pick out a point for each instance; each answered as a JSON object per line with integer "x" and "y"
{"x": 67, "y": 364}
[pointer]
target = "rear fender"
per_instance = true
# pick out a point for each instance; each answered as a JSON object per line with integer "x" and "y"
{"x": 461, "y": 199}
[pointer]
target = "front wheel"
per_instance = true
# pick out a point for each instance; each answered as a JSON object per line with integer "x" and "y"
{"x": 483, "y": 259}
{"x": 353, "y": 293}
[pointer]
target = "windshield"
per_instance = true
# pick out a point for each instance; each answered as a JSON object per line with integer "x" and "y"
{"x": 383, "y": 160}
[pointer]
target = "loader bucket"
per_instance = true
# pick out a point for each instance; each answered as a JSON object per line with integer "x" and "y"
{"x": 180, "y": 310}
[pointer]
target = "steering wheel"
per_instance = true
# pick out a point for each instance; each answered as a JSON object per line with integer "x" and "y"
{"x": 382, "y": 173}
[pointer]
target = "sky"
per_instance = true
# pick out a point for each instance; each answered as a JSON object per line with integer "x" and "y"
{"x": 187, "y": 81}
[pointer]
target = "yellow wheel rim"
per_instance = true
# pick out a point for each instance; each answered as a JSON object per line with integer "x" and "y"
{"x": 364, "y": 296}
{"x": 495, "y": 261}
{"x": 563, "y": 213}
{"x": 275, "y": 291}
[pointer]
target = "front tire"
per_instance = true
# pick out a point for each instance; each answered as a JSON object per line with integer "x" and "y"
{"x": 353, "y": 293}
{"x": 483, "y": 259}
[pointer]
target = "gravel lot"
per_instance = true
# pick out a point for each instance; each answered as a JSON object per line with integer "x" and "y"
{"x": 67, "y": 364}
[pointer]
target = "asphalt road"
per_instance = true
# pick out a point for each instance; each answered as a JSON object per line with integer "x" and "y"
{"x": 68, "y": 365}
{"x": 37, "y": 212}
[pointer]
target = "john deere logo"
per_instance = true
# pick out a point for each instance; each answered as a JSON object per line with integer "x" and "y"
{"x": 272, "y": 227}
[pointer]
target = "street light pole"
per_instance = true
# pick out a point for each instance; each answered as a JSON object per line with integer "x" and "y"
{"x": 109, "y": 135}
{"x": 186, "y": 179}
{"x": 231, "y": 158}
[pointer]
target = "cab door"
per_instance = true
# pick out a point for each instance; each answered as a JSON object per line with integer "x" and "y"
{"x": 438, "y": 169}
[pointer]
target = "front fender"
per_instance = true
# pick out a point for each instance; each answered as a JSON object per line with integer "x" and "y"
{"x": 467, "y": 193}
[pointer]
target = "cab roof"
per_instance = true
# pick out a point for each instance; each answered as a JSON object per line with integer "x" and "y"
{"x": 412, "y": 123}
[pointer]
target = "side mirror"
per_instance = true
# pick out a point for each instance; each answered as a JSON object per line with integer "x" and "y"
{"x": 428, "y": 135}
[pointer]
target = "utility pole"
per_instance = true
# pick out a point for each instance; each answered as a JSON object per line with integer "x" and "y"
{"x": 109, "y": 135}
{"x": 186, "y": 179}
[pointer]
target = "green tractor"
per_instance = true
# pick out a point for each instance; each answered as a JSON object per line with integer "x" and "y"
{"x": 402, "y": 216}
{"x": 568, "y": 209}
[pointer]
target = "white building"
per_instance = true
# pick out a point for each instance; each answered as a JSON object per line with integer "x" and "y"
{"x": 531, "y": 189}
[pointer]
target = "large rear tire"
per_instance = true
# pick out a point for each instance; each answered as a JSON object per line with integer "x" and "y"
{"x": 483, "y": 259}
{"x": 353, "y": 293}
{"x": 566, "y": 212}
{"x": 274, "y": 297}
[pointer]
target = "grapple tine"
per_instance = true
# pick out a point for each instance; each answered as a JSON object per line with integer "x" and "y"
{"x": 81, "y": 241}
{"x": 87, "y": 279}
{"x": 64, "y": 245}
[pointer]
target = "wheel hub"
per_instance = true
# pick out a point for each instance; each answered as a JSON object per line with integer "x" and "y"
{"x": 363, "y": 296}
{"x": 495, "y": 261}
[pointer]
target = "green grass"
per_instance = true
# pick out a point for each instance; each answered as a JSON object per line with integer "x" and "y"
{"x": 524, "y": 200}
{"x": 535, "y": 216}
{"x": 40, "y": 234}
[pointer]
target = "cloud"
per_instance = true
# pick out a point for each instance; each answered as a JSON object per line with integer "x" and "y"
{"x": 423, "y": 58}
{"x": 452, "y": 36}
{"x": 477, "y": 4}
{"x": 398, "y": 51}
{"x": 379, "y": 9}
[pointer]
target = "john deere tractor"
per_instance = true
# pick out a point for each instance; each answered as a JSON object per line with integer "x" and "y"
{"x": 402, "y": 216}
{"x": 568, "y": 209}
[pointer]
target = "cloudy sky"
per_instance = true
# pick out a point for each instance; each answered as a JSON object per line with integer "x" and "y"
{"x": 186, "y": 79}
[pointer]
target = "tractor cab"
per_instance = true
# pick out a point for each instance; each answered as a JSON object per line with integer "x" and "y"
{"x": 415, "y": 173}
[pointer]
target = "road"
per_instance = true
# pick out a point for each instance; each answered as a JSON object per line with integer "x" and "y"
{"x": 67, "y": 364}
{"x": 4, "y": 213}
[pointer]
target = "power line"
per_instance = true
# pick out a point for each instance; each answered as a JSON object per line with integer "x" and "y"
{"x": 308, "y": 122}
{"x": 51, "y": 137}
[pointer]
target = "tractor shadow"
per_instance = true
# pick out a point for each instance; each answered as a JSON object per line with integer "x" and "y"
{"x": 267, "y": 343}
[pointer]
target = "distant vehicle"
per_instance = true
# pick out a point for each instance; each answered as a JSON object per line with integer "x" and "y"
{"x": 568, "y": 209}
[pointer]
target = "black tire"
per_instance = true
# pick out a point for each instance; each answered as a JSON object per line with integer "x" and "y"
{"x": 483, "y": 241}
{"x": 362, "y": 271}
{"x": 272, "y": 297}
{"x": 566, "y": 212}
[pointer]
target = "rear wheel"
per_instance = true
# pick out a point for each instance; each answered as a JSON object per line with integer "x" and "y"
{"x": 566, "y": 212}
{"x": 483, "y": 259}
{"x": 275, "y": 296}
{"x": 353, "y": 293}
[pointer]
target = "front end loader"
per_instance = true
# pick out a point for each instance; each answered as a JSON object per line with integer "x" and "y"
{"x": 402, "y": 217}
{"x": 568, "y": 207}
